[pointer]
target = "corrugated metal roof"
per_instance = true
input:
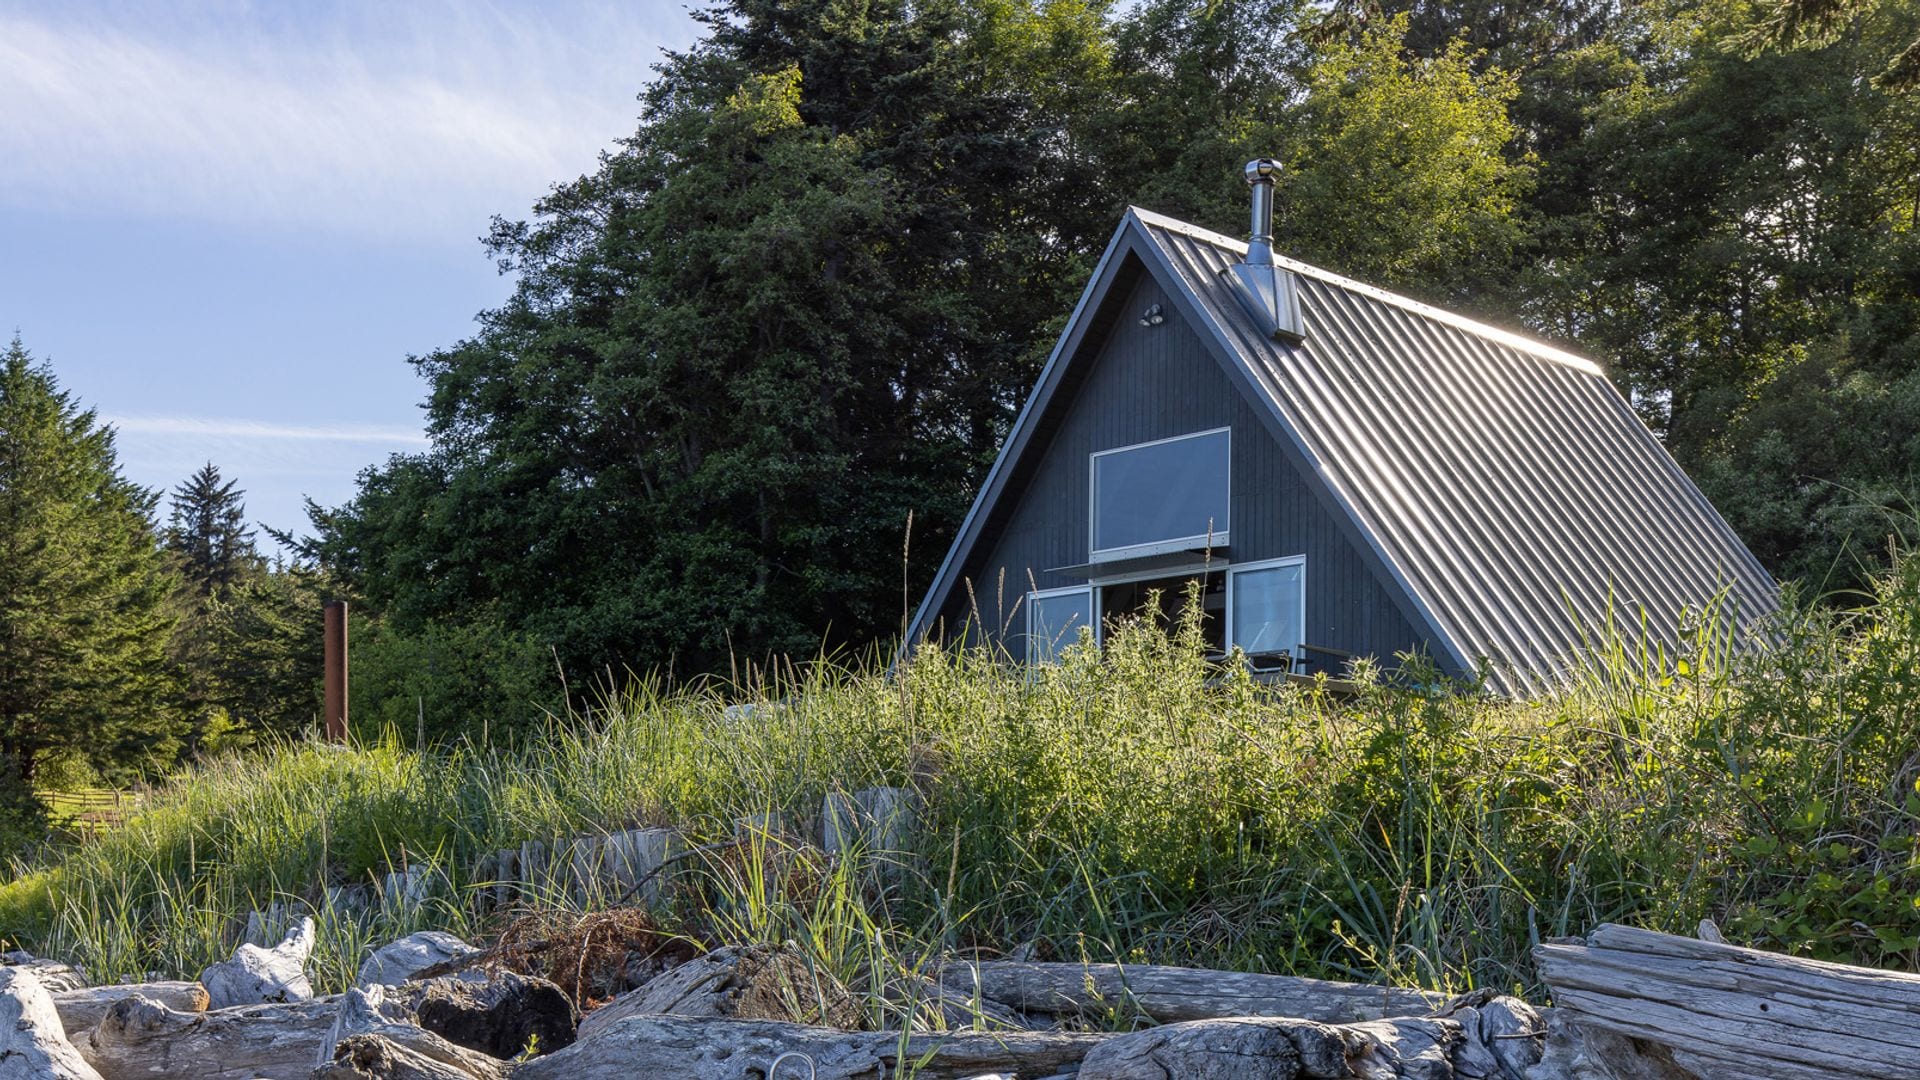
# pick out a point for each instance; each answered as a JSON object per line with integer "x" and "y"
{"x": 1506, "y": 484}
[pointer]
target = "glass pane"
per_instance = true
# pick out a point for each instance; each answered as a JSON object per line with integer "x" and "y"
{"x": 1266, "y": 609}
{"x": 1054, "y": 622}
{"x": 1167, "y": 491}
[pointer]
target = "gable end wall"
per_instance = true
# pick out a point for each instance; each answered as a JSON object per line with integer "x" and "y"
{"x": 1151, "y": 383}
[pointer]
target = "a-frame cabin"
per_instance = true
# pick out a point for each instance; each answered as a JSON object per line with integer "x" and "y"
{"x": 1348, "y": 472}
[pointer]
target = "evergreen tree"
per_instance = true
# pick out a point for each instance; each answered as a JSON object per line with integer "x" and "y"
{"x": 800, "y": 303}
{"x": 263, "y": 637}
{"x": 84, "y": 619}
{"x": 248, "y": 632}
{"x": 208, "y": 532}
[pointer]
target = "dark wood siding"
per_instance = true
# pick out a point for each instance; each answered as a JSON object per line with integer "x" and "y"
{"x": 1151, "y": 383}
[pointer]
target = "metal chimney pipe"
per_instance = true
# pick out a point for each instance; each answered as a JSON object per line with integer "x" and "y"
{"x": 1268, "y": 292}
{"x": 1261, "y": 174}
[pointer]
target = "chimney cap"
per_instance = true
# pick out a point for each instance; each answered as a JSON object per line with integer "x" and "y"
{"x": 1263, "y": 170}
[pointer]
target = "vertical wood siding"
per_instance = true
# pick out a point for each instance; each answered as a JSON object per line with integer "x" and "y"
{"x": 1151, "y": 383}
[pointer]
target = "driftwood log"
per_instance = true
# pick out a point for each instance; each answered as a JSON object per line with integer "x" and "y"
{"x": 1575, "y": 1051}
{"x": 369, "y": 1010}
{"x": 374, "y": 1057}
{"x": 397, "y": 961}
{"x": 80, "y": 1010}
{"x": 1728, "y": 1013}
{"x": 737, "y": 982}
{"x": 139, "y": 1039}
{"x": 690, "y": 1048}
{"x": 1170, "y": 995}
{"x": 760, "y": 982}
{"x": 1275, "y": 1048}
{"x": 922, "y": 1004}
{"x": 257, "y": 976}
{"x": 33, "y": 1046}
{"x": 52, "y": 974}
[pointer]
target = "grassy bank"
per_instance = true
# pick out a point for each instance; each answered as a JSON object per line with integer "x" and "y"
{"x": 1126, "y": 805}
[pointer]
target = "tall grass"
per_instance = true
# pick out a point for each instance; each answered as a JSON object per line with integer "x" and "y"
{"x": 1131, "y": 803}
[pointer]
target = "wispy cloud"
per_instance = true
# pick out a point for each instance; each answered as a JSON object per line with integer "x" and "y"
{"x": 196, "y": 427}
{"x": 276, "y": 464}
{"x": 393, "y": 120}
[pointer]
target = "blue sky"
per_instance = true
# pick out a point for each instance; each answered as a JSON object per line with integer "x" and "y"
{"x": 228, "y": 224}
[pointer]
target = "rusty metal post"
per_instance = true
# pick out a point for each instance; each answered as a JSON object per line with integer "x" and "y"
{"x": 336, "y": 670}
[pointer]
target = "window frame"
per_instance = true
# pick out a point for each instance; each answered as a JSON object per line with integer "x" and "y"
{"x": 1218, "y": 538}
{"x": 1235, "y": 569}
{"x": 1036, "y": 595}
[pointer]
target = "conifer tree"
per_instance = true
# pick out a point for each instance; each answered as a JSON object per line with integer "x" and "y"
{"x": 84, "y": 619}
{"x": 208, "y": 531}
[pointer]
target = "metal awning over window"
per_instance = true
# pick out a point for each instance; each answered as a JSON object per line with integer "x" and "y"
{"x": 1196, "y": 561}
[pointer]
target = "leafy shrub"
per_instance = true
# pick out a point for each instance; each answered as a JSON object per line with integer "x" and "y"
{"x": 449, "y": 680}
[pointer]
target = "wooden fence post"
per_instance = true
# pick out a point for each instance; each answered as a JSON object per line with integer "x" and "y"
{"x": 335, "y": 657}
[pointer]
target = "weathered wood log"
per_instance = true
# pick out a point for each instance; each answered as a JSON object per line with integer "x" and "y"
{"x": 1278, "y": 1048}
{"x": 690, "y": 1048}
{"x": 1729, "y": 1013}
{"x": 500, "y": 1016}
{"x": 370, "y": 1011}
{"x": 139, "y": 1039}
{"x": 80, "y": 1010}
{"x": 257, "y": 976}
{"x": 1502, "y": 1037}
{"x": 927, "y": 1005}
{"x": 397, "y": 961}
{"x": 375, "y": 1057}
{"x": 1172, "y": 994}
{"x": 1575, "y": 1051}
{"x": 742, "y": 982}
{"x": 33, "y": 1045}
{"x": 53, "y": 975}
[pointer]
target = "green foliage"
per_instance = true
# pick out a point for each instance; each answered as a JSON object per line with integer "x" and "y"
{"x": 447, "y": 680}
{"x": 1734, "y": 233}
{"x": 23, "y": 816}
{"x": 803, "y": 300}
{"x": 248, "y": 642}
{"x": 208, "y": 532}
{"x": 1790, "y": 24}
{"x": 806, "y": 266}
{"x": 1131, "y": 802}
{"x": 84, "y": 620}
{"x": 261, "y": 650}
{"x": 1400, "y": 174}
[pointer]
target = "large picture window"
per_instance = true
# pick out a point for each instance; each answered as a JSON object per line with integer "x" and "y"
{"x": 1054, "y": 619}
{"x": 1267, "y": 607}
{"x": 1169, "y": 495}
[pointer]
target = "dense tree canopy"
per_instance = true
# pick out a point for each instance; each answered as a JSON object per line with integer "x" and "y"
{"x": 84, "y": 619}
{"x": 803, "y": 300}
{"x": 249, "y": 630}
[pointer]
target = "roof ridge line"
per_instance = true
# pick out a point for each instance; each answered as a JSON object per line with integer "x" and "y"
{"x": 1418, "y": 307}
